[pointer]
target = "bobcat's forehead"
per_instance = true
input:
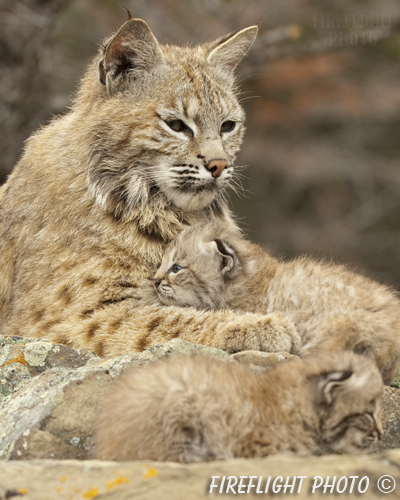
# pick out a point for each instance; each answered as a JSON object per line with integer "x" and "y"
{"x": 192, "y": 254}
{"x": 177, "y": 255}
{"x": 199, "y": 95}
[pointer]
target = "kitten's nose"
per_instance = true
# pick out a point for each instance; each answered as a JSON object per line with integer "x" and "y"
{"x": 216, "y": 167}
{"x": 157, "y": 281}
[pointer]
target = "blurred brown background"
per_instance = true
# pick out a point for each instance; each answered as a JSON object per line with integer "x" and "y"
{"x": 321, "y": 90}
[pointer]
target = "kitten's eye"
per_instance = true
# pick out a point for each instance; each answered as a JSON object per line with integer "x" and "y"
{"x": 178, "y": 126}
{"x": 175, "y": 269}
{"x": 227, "y": 126}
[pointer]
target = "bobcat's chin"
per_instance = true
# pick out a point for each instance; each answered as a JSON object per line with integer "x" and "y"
{"x": 191, "y": 201}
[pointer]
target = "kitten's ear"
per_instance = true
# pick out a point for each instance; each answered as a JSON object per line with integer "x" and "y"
{"x": 132, "y": 50}
{"x": 227, "y": 256}
{"x": 230, "y": 50}
{"x": 331, "y": 381}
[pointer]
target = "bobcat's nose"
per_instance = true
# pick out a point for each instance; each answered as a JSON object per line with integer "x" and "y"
{"x": 216, "y": 167}
{"x": 157, "y": 282}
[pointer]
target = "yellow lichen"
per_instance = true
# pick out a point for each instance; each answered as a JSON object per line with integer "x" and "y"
{"x": 16, "y": 359}
{"x": 92, "y": 493}
{"x": 152, "y": 472}
{"x": 116, "y": 483}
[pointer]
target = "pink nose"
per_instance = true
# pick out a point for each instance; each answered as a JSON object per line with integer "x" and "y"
{"x": 216, "y": 167}
{"x": 157, "y": 281}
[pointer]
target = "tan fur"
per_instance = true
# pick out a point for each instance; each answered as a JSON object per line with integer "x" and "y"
{"x": 98, "y": 193}
{"x": 200, "y": 409}
{"x": 328, "y": 306}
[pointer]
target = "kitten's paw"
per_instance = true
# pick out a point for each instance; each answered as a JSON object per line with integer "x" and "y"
{"x": 271, "y": 333}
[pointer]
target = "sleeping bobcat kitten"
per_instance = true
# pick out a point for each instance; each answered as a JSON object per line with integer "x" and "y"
{"x": 194, "y": 409}
{"x": 210, "y": 266}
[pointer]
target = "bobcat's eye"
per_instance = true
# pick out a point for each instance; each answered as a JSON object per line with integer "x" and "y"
{"x": 179, "y": 126}
{"x": 175, "y": 269}
{"x": 227, "y": 126}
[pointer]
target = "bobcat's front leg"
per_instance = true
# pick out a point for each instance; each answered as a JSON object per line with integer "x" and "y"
{"x": 121, "y": 328}
{"x": 271, "y": 333}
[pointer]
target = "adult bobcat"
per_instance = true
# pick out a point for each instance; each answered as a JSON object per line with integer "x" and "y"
{"x": 146, "y": 150}
{"x": 209, "y": 266}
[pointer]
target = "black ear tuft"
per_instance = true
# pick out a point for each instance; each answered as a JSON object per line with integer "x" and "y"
{"x": 128, "y": 12}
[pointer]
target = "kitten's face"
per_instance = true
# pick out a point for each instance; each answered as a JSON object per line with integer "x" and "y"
{"x": 357, "y": 431}
{"x": 351, "y": 411}
{"x": 190, "y": 275}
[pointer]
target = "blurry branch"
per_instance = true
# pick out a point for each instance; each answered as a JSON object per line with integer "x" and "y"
{"x": 31, "y": 16}
{"x": 277, "y": 35}
{"x": 368, "y": 213}
{"x": 25, "y": 65}
{"x": 268, "y": 49}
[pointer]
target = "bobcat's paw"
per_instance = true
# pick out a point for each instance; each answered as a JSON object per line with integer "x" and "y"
{"x": 280, "y": 334}
{"x": 270, "y": 333}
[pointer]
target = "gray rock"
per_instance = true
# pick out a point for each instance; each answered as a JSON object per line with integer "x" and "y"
{"x": 390, "y": 420}
{"x": 261, "y": 361}
{"x": 53, "y": 392}
{"x": 73, "y": 480}
{"x": 21, "y": 359}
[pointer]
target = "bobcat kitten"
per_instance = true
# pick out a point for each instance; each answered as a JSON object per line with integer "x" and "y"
{"x": 194, "y": 409}
{"x": 211, "y": 266}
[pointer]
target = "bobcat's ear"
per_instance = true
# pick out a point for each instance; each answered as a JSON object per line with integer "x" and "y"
{"x": 226, "y": 254}
{"x": 132, "y": 50}
{"x": 331, "y": 381}
{"x": 230, "y": 50}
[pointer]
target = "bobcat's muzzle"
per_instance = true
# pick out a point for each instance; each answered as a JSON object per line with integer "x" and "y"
{"x": 216, "y": 167}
